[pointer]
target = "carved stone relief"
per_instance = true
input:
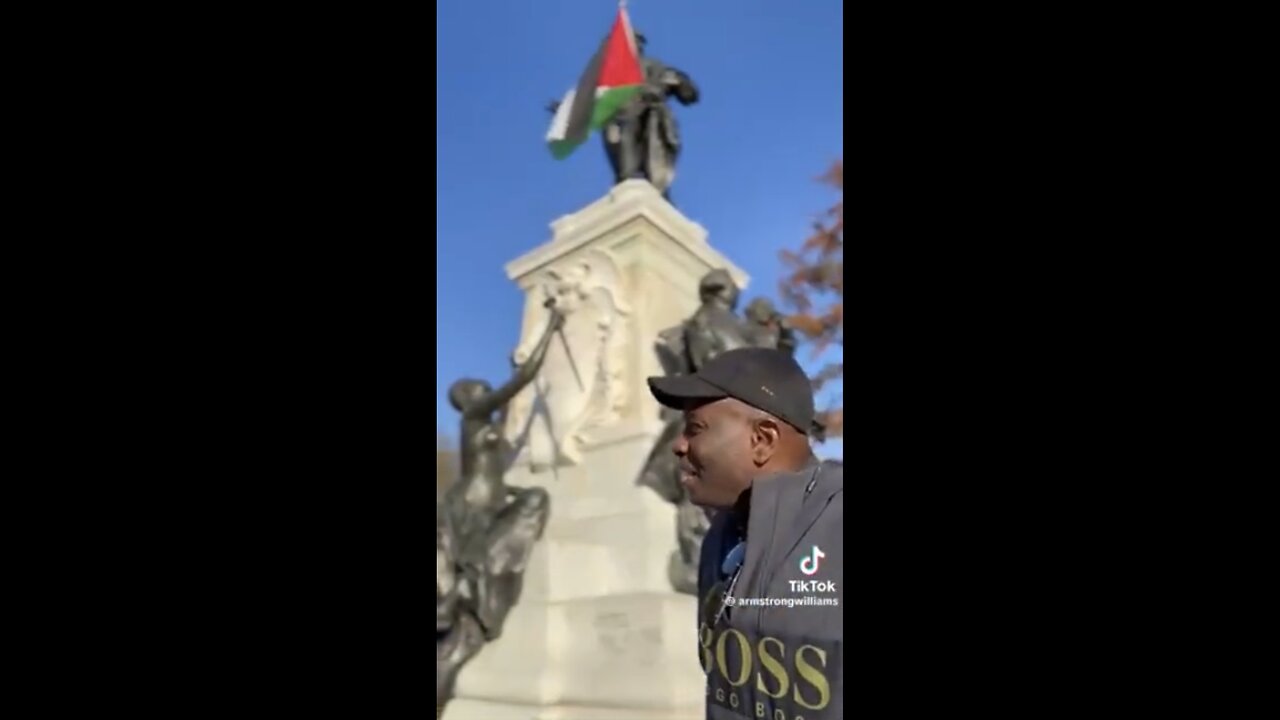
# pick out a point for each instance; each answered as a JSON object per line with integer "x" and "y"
{"x": 580, "y": 389}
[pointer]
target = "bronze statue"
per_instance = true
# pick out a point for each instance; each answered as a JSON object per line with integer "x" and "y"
{"x": 714, "y": 328}
{"x": 485, "y": 531}
{"x": 766, "y": 327}
{"x": 642, "y": 139}
{"x": 711, "y": 330}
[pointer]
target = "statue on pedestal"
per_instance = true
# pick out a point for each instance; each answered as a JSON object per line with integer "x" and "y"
{"x": 642, "y": 140}
{"x": 683, "y": 350}
{"x": 485, "y": 530}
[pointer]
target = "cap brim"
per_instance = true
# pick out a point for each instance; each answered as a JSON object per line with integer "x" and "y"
{"x": 679, "y": 391}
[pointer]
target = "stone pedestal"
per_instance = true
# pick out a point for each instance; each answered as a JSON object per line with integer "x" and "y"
{"x": 598, "y": 633}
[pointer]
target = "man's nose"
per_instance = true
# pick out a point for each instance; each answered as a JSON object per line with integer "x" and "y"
{"x": 680, "y": 446}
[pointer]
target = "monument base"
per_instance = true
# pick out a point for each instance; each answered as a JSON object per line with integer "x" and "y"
{"x": 598, "y": 632}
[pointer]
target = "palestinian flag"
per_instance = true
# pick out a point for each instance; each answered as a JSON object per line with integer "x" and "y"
{"x": 611, "y": 79}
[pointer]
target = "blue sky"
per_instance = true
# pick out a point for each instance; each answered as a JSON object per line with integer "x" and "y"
{"x": 769, "y": 121}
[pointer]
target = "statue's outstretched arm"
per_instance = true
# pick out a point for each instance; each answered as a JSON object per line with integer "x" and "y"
{"x": 682, "y": 86}
{"x": 525, "y": 373}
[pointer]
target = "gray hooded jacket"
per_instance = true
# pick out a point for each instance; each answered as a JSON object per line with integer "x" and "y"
{"x": 775, "y": 648}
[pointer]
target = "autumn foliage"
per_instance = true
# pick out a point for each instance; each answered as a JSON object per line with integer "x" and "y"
{"x": 814, "y": 287}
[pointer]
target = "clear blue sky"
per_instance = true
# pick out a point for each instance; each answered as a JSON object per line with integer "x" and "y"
{"x": 769, "y": 121}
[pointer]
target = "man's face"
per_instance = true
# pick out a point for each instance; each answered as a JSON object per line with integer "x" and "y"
{"x": 715, "y": 453}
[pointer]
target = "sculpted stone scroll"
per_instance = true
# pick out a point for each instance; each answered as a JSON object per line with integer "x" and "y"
{"x": 580, "y": 389}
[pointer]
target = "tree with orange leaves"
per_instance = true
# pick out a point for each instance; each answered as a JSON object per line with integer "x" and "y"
{"x": 814, "y": 288}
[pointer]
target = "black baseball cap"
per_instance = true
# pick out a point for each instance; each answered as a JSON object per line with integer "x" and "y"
{"x": 766, "y": 379}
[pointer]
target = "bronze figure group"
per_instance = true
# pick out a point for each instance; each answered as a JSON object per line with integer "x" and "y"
{"x": 712, "y": 329}
{"x": 485, "y": 530}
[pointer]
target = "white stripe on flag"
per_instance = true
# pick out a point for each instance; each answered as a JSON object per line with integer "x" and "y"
{"x": 560, "y": 123}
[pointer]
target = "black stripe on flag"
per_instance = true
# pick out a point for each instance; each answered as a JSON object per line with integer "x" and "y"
{"x": 584, "y": 98}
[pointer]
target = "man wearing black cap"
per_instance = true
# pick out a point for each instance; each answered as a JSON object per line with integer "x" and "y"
{"x": 771, "y": 576}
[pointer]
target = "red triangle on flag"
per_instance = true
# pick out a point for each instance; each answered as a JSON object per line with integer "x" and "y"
{"x": 621, "y": 65}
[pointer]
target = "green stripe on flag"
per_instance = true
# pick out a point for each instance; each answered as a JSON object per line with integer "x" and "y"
{"x": 608, "y": 103}
{"x": 561, "y": 149}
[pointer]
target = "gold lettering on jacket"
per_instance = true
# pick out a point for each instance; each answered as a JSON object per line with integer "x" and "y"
{"x": 744, "y": 652}
{"x": 805, "y": 675}
{"x": 814, "y": 676}
{"x": 774, "y": 666}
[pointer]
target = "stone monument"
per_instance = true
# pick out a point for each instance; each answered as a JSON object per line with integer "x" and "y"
{"x": 598, "y": 632}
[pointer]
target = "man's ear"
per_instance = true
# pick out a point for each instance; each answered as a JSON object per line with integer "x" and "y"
{"x": 766, "y": 437}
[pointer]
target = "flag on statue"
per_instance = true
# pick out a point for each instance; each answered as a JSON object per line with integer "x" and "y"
{"x": 611, "y": 79}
